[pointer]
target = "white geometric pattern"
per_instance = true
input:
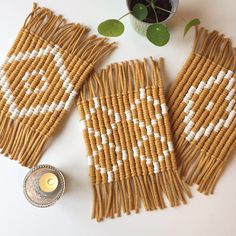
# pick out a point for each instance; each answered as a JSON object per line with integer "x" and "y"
{"x": 189, "y": 113}
{"x": 64, "y": 76}
{"x": 37, "y": 89}
{"x": 129, "y": 117}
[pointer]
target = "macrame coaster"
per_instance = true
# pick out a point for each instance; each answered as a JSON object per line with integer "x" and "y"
{"x": 41, "y": 76}
{"x": 129, "y": 144}
{"x": 202, "y": 110}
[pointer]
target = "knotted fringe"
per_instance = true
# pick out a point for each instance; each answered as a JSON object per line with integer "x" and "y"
{"x": 43, "y": 72}
{"x": 129, "y": 145}
{"x": 202, "y": 110}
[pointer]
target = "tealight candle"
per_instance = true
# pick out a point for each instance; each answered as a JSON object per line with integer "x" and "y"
{"x": 48, "y": 182}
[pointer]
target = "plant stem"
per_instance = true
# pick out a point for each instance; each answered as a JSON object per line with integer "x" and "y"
{"x": 172, "y": 12}
{"x": 152, "y": 4}
{"x": 153, "y": 7}
{"x": 163, "y": 9}
{"x": 125, "y": 15}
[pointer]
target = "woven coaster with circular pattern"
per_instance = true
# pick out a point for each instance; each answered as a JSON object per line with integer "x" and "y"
{"x": 126, "y": 130}
{"x": 47, "y": 64}
{"x": 202, "y": 106}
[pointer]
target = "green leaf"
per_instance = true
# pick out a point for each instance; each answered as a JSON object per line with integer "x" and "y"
{"x": 158, "y": 34}
{"x": 140, "y": 11}
{"x": 193, "y": 22}
{"x": 111, "y": 28}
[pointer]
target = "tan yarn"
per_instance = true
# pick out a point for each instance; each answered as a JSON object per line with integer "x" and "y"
{"x": 129, "y": 144}
{"x": 203, "y": 111}
{"x": 41, "y": 76}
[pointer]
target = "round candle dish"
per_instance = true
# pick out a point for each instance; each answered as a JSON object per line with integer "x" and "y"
{"x": 44, "y": 185}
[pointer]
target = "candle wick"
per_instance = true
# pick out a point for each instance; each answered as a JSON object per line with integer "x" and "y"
{"x": 50, "y": 181}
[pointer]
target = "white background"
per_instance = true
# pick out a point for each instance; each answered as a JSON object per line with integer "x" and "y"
{"x": 203, "y": 216}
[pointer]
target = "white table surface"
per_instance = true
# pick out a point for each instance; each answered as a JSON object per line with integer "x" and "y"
{"x": 203, "y": 216}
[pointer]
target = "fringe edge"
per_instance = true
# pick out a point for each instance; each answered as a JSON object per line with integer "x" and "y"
{"x": 21, "y": 143}
{"x": 198, "y": 167}
{"x": 111, "y": 199}
{"x": 71, "y": 37}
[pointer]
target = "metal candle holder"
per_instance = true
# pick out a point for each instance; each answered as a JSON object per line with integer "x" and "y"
{"x": 33, "y": 192}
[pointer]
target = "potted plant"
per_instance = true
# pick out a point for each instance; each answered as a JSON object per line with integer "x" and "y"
{"x": 148, "y": 18}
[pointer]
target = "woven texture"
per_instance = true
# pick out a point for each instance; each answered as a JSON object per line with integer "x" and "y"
{"x": 129, "y": 144}
{"x": 202, "y": 106}
{"x": 47, "y": 64}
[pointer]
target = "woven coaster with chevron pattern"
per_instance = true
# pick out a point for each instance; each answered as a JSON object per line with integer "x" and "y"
{"x": 126, "y": 130}
{"x": 39, "y": 79}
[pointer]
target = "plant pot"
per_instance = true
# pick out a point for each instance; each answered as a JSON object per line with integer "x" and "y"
{"x": 141, "y": 26}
